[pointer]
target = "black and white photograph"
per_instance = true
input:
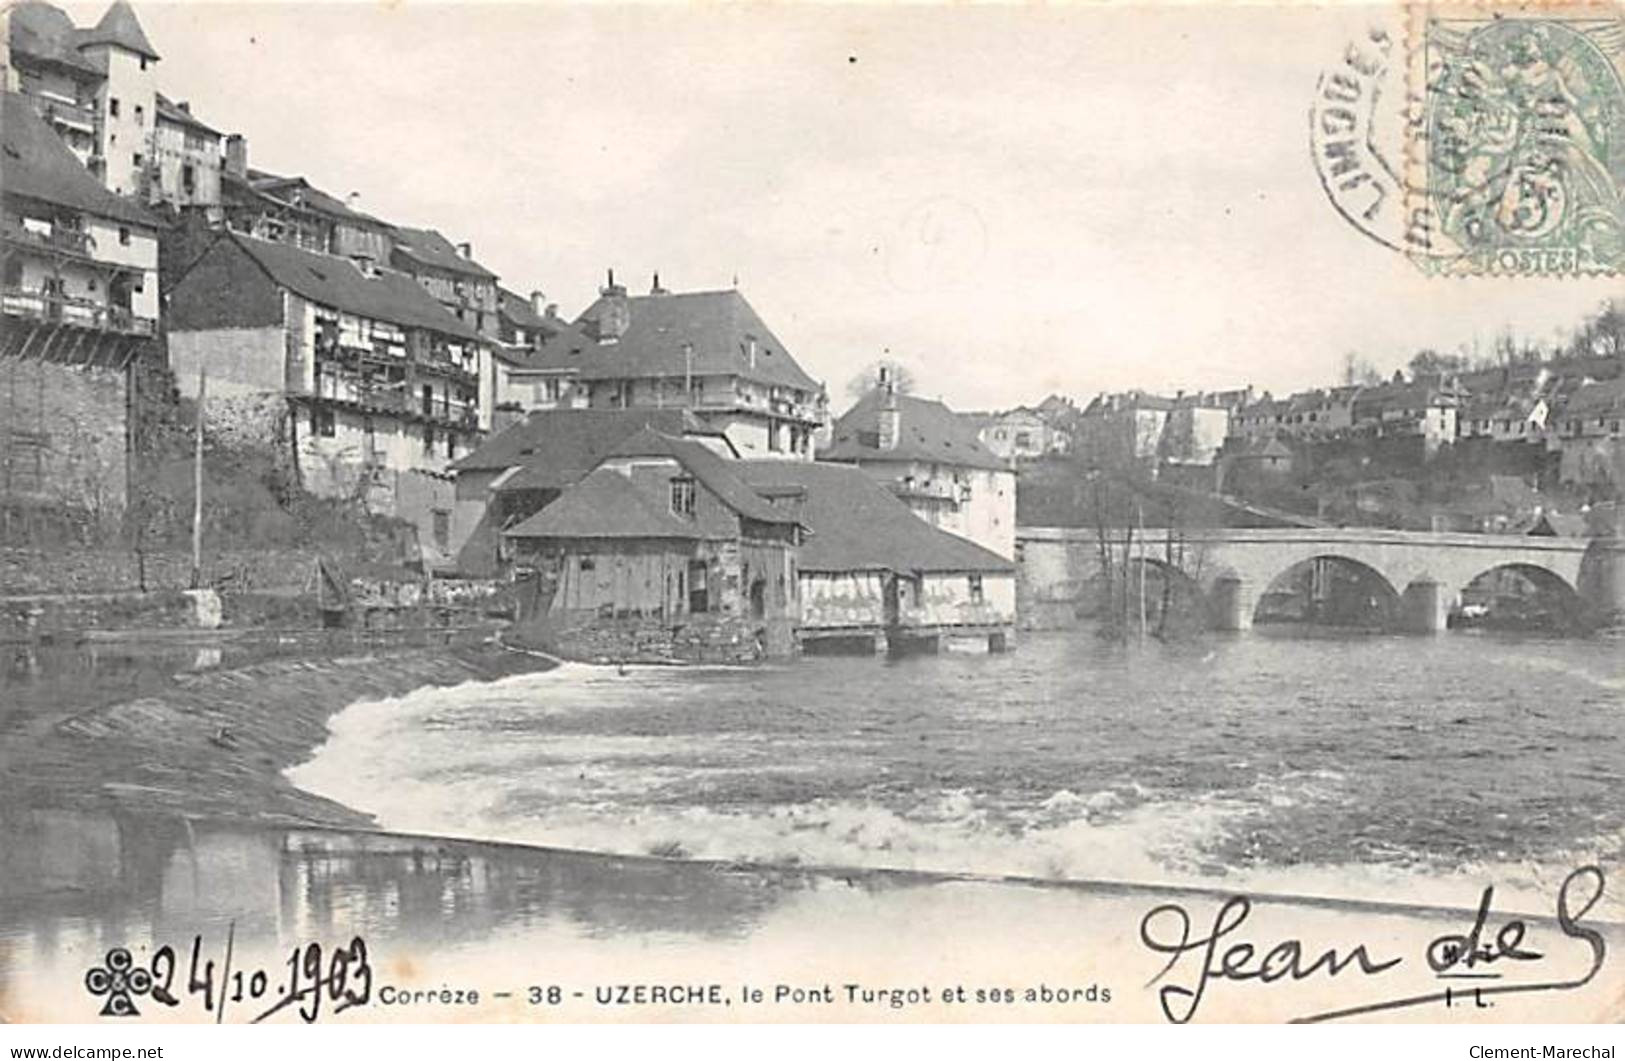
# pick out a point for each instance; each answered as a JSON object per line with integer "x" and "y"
{"x": 753, "y": 513}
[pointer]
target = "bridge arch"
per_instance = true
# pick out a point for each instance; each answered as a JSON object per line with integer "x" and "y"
{"x": 1332, "y": 589}
{"x": 1527, "y": 595}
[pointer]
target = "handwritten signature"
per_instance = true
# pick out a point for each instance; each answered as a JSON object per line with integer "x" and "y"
{"x": 1471, "y": 955}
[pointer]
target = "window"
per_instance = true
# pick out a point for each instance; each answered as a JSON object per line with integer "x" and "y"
{"x": 682, "y": 497}
{"x": 428, "y": 439}
{"x": 442, "y": 529}
{"x": 586, "y": 564}
{"x": 123, "y": 237}
{"x": 321, "y": 422}
{"x": 189, "y": 178}
{"x": 112, "y": 106}
{"x": 136, "y": 160}
{"x": 451, "y": 444}
{"x": 975, "y": 582}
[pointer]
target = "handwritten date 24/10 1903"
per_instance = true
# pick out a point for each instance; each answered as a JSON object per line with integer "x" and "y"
{"x": 312, "y": 980}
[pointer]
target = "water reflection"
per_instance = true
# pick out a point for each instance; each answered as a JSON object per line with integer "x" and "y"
{"x": 72, "y": 883}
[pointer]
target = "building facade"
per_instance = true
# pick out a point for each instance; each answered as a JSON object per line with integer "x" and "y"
{"x": 662, "y": 552}
{"x": 78, "y": 302}
{"x": 874, "y": 576}
{"x": 708, "y": 352}
{"x": 98, "y": 88}
{"x": 372, "y": 385}
{"x": 933, "y": 462}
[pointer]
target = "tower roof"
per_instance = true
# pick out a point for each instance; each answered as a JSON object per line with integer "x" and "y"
{"x": 120, "y": 27}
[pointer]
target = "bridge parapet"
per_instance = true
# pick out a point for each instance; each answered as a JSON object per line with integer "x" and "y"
{"x": 1426, "y": 572}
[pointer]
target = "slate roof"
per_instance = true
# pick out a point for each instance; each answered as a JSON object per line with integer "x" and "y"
{"x": 855, "y": 524}
{"x": 36, "y": 164}
{"x": 1598, "y": 398}
{"x": 428, "y": 247}
{"x": 336, "y": 282}
{"x": 558, "y": 447}
{"x": 170, "y": 111}
{"x": 605, "y": 504}
{"x": 519, "y": 311}
{"x": 44, "y": 32}
{"x": 120, "y": 26}
{"x": 930, "y": 432}
{"x": 312, "y": 197}
{"x": 717, "y": 324}
{"x": 721, "y": 476}
{"x": 1126, "y": 401}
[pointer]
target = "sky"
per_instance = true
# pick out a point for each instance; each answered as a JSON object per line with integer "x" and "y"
{"x": 1011, "y": 201}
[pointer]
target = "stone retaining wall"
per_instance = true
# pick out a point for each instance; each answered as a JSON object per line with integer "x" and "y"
{"x": 698, "y": 639}
{"x": 33, "y": 572}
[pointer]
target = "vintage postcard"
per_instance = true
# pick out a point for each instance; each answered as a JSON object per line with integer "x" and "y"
{"x": 773, "y": 513}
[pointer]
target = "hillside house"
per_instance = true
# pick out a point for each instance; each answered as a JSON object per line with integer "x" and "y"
{"x": 932, "y": 461}
{"x": 1589, "y": 436}
{"x": 706, "y": 351}
{"x": 78, "y": 303}
{"x": 361, "y": 374}
{"x": 467, "y": 289}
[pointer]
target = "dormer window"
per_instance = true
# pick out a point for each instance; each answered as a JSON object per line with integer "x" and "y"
{"x": 682, "y": 497}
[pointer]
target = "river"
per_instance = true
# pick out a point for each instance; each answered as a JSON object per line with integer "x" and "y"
{"x": 1291, "y": 761}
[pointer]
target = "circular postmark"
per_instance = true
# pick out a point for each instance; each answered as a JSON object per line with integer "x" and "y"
{"x": 1491, "y": 143}
{"x": 939, "y": 242}
{"x": 1363, "y": 126}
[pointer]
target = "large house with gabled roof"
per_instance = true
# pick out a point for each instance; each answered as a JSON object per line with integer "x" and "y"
{"x": 357, "y": 371}
{"x": 705, "y": 351}
{"x": 933, "y": 461}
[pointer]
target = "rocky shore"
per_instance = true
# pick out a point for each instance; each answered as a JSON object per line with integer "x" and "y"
{"x": 213, "y": 745}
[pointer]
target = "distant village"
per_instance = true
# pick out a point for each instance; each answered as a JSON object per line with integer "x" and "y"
{"x": 657, "y": 476}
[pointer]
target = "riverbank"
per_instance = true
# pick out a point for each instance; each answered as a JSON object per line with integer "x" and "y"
{"x": 213, "y": 744}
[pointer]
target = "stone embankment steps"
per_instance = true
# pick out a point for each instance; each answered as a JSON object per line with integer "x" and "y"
{"x": 215, "y": 744}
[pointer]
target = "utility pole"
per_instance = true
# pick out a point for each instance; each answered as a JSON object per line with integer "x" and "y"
{"x": 197, "y": 483}
{"x": 1139, "y": 518}
{"x": 688, "y": 374}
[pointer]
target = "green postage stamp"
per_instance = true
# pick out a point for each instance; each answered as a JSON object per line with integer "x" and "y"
{"x": 1523, "y": 116}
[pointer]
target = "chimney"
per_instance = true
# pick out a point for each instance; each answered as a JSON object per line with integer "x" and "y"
{"x": 237, "y": 155}
{"x": 615, "y": 317}
{"x": 538, "y": 303}
{"x": 466, "y": 250}
{"x": 890, "y": 421}
{"x": 184, "y": 106}
{"x": 352, "y": 200}
{"x": 656, "y": 289}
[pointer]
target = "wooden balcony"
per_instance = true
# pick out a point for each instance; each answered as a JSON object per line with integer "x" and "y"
{"x": 74, "y": 312}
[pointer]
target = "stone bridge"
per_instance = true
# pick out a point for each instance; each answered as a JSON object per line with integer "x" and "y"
{"x": 1424, "y": 573}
